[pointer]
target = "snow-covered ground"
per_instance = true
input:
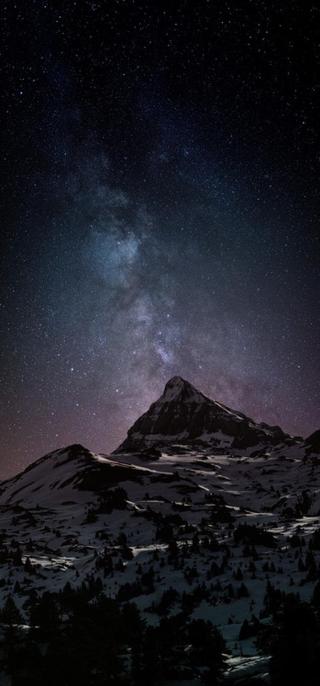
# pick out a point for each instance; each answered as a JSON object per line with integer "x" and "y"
{"x": 145, "y": 522}
{"x": 45, "y": 512}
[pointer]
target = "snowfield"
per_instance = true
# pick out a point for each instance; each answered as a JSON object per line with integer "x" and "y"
{"x": 171, "y": 514}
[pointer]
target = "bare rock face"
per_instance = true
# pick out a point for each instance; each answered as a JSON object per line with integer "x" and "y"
{"x": 184, "y": 415}
{"x": 313, "y": 442}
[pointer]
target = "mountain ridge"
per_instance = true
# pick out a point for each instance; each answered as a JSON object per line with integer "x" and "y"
{"x": 206, "y": 428}
{"x": 218, "y": 523}
{"x": 184, "y": 414}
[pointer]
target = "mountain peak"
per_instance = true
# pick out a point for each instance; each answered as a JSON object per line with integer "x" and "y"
{"x": 176, "y": 382}
{"x": 184, "y": 415}
{"x": 178, "y": 389}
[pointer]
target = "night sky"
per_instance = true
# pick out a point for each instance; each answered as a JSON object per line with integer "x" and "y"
{"x": 160, "y": 214}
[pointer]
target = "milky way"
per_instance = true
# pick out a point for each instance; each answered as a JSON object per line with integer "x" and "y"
{"x": 160, "y": 213}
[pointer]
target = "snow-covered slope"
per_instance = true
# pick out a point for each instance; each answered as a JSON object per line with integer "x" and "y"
{"x": 66, "y": 475}
{"x": 185, "y": 415}
{"x": 164, "y": 512}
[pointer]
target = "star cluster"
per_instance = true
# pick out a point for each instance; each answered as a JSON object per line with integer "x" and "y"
{"x": 160, "y": 204}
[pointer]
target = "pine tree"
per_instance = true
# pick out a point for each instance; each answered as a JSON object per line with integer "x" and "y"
{"x": 10, "y": 613}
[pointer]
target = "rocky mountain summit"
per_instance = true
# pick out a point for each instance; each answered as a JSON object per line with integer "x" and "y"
{"x": 184, "y": 415}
